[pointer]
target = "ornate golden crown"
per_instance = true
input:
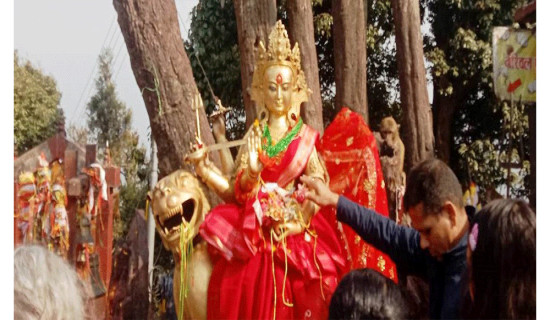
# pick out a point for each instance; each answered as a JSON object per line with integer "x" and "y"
{"x": 279, "y": 53}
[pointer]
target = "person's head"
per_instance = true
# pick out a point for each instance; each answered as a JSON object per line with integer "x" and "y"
{"x": 278, "y": 83}
{"x": 367, "y": 294}
{"x": 502, "y": 261}
{"x": 45, "y": 286}
{"x": 433, "y": 199}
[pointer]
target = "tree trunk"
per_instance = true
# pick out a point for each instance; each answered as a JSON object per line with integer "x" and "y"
{"x": 300, "y": 29}
{"x": 417, "y": 118}
{"x": 350, "y": 56}
{"x": 444, "y": 109}
{"x": 163, "y": 73}
{"x": 255, "y": 18}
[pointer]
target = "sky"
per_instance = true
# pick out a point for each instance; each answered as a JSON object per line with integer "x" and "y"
{"x": 64, "y": 39}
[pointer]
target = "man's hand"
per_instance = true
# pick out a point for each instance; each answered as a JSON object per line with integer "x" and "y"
{"x": 319, "y": 192}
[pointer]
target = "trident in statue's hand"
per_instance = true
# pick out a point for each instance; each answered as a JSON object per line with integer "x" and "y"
{"x": 198, "y": 150}
{"x": 196, "y": 105}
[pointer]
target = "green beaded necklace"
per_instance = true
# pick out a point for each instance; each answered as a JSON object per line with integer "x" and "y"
{"x": 273, "y": 150}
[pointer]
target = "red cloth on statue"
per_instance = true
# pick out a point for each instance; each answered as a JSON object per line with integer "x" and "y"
{"x": 349, "y": 150}
{"x": 249, "y": 278}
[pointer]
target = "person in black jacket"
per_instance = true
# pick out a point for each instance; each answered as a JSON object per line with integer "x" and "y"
{"x": 435, "y": 249}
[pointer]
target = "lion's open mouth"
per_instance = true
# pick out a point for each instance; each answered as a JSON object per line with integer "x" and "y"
{"x": 176, "y": 216}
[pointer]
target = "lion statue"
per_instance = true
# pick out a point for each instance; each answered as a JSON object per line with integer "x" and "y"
{"x": 179, "y": 206}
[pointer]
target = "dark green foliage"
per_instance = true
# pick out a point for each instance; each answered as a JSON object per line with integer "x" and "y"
{"x": 213, "y": 47}
{"x": 36, "y": 100}
{"x": 484, "y": 130}
{"x": 382, "y": 74}
{"x": 322, "y": 26}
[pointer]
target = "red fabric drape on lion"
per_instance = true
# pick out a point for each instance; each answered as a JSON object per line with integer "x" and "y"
{"x": 349, "y": 150}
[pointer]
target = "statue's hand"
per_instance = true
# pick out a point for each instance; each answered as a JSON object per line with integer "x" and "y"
{"x": 287, "y": 229}
{"x": 254, "y": 147}
{"x": 197, "y": 155}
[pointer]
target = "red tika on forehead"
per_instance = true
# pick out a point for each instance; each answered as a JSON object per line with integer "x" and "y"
{"x": 279, "y": 79}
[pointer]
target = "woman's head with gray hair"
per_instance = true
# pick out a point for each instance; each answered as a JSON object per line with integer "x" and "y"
{"x": 45, "y": 286}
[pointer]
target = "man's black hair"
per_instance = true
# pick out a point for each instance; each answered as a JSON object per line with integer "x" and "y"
{"x": 431, "y": 183}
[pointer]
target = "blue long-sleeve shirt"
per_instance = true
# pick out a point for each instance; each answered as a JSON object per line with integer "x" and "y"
{"x": 445, "y": 277}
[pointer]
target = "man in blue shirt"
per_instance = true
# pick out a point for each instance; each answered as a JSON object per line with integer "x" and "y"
{"x": 435, "y": 249}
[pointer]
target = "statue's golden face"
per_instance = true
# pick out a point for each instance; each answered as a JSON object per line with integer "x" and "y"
{"x": 179, "y": 207}
{"x": 278, "y": 89}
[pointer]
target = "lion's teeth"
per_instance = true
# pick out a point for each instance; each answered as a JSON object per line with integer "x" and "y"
{"x": 165, "y": 230}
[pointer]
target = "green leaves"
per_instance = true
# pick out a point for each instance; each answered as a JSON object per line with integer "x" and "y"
{"x": 483, "y": 129}
{"x": 322, "y": 24}
{"x": 439, "y": 62}
{"x": 213, "y": 46}
{"x": 36, "y": 100}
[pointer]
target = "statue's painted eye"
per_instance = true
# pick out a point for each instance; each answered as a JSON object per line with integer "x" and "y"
{"x": 285, "y": 87}
{"x": 272, "y": 87}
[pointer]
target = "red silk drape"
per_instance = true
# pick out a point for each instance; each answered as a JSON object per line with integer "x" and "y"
{"x": 349, "y": 150}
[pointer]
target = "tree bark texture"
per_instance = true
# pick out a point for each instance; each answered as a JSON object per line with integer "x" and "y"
{"x": 417, "y": 118}
{"x": 255, "y": 18}
{"x": 163, "y": 73}
{"x": 444, "y": 110}
{"x": 301, "y": 31}
{"x": 350, "y": 56}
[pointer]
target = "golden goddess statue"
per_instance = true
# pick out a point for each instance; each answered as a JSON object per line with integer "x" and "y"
{"x": 272, "y": 256}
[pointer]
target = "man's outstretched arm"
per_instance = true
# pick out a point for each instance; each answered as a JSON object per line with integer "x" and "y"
{"x": 402, "y": 244}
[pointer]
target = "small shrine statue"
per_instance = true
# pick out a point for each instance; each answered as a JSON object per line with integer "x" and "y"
{"x": 26, "y": 197}
{"x": 42, "y": 225}
{"x": 392, "y": 157}
{"x": 60, "y": 227}
{"x": 274, "y": 256}
{"x": 97, "y": 193}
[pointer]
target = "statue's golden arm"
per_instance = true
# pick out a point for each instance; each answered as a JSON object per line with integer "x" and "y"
{"x": 249, "y": 179}
{"x": 314, "y": 169}
{"x": 218, "y": 181}
{"x": 215, "y": 180}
